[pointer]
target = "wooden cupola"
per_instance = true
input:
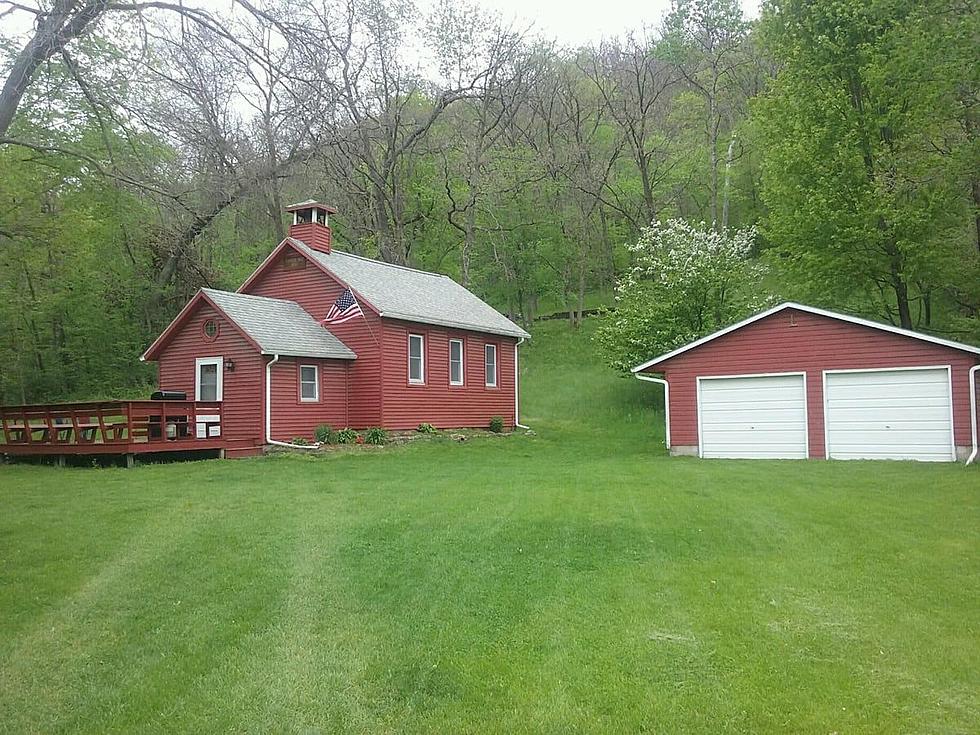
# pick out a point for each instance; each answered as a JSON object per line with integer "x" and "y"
{"x": 311, "y": 224}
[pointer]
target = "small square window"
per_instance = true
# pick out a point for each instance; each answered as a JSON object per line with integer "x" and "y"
{"x": 309, "y": 383}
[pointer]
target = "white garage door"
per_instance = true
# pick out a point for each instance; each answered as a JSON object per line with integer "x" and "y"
{"x": 889, "y": 414}
{"x": 753, "y": 417}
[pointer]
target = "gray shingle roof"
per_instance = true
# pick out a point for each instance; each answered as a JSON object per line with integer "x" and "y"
{"x": 417, "y": 296}
{"x": 279, "y": 326}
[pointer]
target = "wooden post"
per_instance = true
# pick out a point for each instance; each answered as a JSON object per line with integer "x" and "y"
{"x": 60, "y": 460}
{"x": 130, "y": 460}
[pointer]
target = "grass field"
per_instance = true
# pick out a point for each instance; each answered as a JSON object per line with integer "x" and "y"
{"x": 575, "y": 581}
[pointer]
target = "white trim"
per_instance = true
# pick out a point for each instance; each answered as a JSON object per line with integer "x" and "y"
{"x": 462, "y": 362}
{"x": 268, "y": 411}
{"x": 517, "y": 386}
{"x": 972, "y": 377}
{"x": 806, "y": 402}
{"x": 666, "y": 385}
{"x": 811, "y": 310}
{"x": 949, "y": 393}
{"x": 420, "y": 380}
{"x": 316, "y": 384}
{"x": 219, "y": 362}
{"x": 496, "y": 366}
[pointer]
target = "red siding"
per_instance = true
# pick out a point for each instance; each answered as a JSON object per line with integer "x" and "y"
{"x": 794, "y": 341}
{"x": 316, "y": 292}
{"x": 242, "y": 407}
{"x": 436, "y": 402}
{"x": 292, "y": 417}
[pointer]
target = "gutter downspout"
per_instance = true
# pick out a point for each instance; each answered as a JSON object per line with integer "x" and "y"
{"x": 268, "y": 411}
{"x": 666, "y": 385}
{"x": 517, "y": 392}
{"x": 973, "y": 411}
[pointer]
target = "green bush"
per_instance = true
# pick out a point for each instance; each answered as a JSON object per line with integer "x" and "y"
{"x": 496, "y": 424}
{"x": 376, "y": 436}
{"x": 324, "y": 434}
{"x": 300, "y": 441}
{"x": 426, "y": 429}
{"x": 346, "y": 436}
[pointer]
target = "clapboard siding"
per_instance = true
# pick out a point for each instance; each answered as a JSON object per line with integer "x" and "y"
{"x": 316, "y": 292}
{"x": 437, "y": 402}
{"x": 793, "y": 340}
{"x": 292, "y": 417}
{"x": 242, "y": 406}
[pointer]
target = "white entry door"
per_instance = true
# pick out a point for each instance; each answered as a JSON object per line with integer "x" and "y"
{"x": 889, "y": 414}
{"x": 755, "y": 416}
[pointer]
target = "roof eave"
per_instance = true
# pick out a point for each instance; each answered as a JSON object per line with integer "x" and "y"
{"x": 291, "y": 353}
{"x": 811, "y": 310}
{"x": 517, "y": 334}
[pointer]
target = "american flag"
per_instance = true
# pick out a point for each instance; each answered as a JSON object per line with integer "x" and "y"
{"x": 343, "y": 309}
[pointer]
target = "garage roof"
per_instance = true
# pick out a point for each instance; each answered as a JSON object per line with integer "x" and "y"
{"x": 812, "y": 310}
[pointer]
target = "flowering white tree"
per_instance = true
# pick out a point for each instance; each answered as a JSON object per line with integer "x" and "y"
{"x": 687, "y": 281}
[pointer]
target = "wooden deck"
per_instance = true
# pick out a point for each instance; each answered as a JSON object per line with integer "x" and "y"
{"x": 114, "y": 427}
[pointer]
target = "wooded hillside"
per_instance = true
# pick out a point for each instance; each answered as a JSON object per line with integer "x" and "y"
{"x": 148, "y": 149}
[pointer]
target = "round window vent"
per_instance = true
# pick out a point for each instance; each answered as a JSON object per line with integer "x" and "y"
{"x": 210, "y": 330}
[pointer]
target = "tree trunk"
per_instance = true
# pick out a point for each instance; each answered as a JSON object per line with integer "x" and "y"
{"x": 728, "y": 182}
{"x": 53, "y": 32}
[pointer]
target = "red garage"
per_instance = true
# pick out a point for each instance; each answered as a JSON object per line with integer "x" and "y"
{"x": 795, "y": 382}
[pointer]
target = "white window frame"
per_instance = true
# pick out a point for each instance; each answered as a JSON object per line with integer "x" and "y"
{"x": 219, "y": 363}
{"x": 496, "y": 366}
{"x": 421, "y": 379}
{"x": 316, "y": 384}
{"x": 462, "y": 362}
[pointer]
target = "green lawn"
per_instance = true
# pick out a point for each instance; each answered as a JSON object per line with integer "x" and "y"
{"x": 574, "y": 581}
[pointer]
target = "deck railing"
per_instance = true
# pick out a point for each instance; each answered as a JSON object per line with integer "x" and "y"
{"x": 144, "y": 426}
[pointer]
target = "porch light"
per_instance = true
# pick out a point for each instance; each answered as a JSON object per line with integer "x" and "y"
{"x": 229, "y": 365}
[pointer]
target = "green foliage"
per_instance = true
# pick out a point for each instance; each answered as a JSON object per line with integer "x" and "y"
{"x": 496, "y": 424}
{"x": 324, "y": 434}
{"x": 871, "y": 156}
{"x": 585, "y": 555}
{"x": 347, "y": 436}
{"x": 424, "y": 428}
{"x": 687, "y": 281}
{"x": 376, "y": 436}
{"x": 300, "y": 441}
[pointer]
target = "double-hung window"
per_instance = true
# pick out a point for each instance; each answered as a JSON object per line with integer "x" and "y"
{"x": 455, "y": 362}
{"x": 416, "y": 359}
{"x": 208, "y": 378}
{"x": 490, "y": 365}
{"x": 309, "y": 383}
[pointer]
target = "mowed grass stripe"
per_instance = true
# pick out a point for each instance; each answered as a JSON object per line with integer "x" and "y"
{"x": 573, "y": 581}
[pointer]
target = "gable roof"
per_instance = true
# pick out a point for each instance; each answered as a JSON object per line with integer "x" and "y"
{"x": 278, "y": 326}
{"x": 273, "y": 326}
{"x": 811, "y": 310}
{"x": 397, "y": 292}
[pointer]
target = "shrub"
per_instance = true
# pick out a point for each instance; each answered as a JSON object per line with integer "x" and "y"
{"x": 300, "y": 441}
{"x": 346, "y": 436}
{"x": 324, "y": 434}
{"x": 687, "y": 280}
{"x": 496, "y": 424}
{"x": 376, "y": 436}
{"x": 426, "y": 429}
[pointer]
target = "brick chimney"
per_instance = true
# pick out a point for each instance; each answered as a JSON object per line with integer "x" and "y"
{"x": 311, "y": 224}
